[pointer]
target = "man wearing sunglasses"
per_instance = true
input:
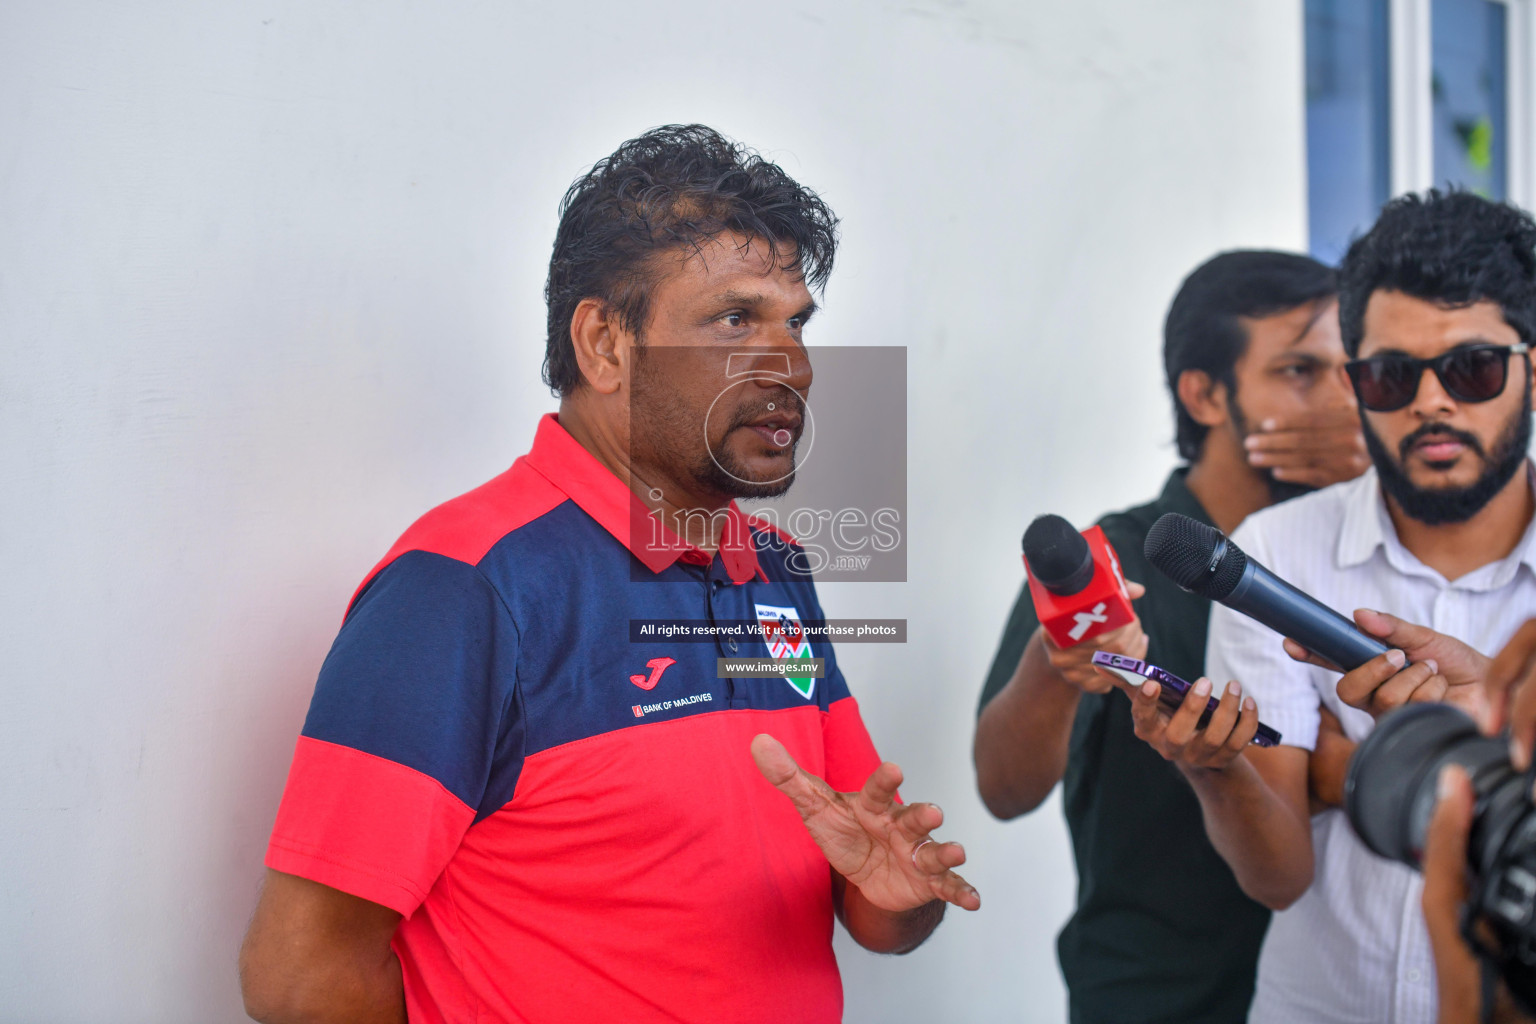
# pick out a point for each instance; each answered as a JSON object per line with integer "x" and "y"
{"x": 1437, "y": 307}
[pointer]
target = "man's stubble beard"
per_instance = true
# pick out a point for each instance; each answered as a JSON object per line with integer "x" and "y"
{"x": 729, "y": 478}
{"x": 660, "y": 433}
{"x": 1442, "y": 505}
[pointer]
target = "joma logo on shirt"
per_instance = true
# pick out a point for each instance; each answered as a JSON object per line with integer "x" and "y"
{"x": 657, "y": 667}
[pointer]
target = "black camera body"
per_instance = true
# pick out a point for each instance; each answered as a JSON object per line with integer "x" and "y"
{"x": 1389, "y": 796}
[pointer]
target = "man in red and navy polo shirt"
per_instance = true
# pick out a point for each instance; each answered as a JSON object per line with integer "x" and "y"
{"x": 506, "y": 807}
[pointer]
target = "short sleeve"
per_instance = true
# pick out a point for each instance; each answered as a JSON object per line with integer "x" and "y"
{"x": 850, "y": 752}
{"x": 1022, "y": 623}
{"x": 1240, "y": 648}
{"x": 412, "y": 735}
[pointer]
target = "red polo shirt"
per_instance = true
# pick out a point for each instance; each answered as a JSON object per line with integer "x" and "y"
{"x": 565, "y": 809}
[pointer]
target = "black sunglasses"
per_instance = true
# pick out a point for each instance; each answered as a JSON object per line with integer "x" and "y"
{"x": 1476, "y": 373}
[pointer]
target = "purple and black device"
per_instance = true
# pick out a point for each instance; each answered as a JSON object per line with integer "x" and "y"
{"x": 1173, "y": 691}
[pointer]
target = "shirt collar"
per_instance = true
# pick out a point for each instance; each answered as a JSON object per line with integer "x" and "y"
{"x": 1367, "y": 525}
{"x": 1177, "y": 497}
{"x": 576, "y": 472}
{"x": 1366, "y": 522}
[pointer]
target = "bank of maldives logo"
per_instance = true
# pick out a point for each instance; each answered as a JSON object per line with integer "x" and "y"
{"x": 786, "y": 638}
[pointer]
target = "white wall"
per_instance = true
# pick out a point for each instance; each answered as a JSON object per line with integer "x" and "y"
{"x": 270, "y": 284}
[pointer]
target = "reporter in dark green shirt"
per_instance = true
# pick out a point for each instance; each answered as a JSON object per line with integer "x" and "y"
{"x": 1161, "y": 932}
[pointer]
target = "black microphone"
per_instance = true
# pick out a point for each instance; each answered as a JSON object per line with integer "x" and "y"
{"x": 1058, "y": 555}
{"x": 1203, "y": 561}
{"x": 1074, "y": 581}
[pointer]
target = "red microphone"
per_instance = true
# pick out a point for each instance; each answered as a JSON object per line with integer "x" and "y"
{"x": 1074, "y": 580}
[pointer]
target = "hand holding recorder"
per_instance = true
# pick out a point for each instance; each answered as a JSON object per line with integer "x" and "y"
{"x": 1202, "y": 732}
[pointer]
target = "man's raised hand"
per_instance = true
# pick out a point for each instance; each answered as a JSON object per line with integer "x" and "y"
{"x": 881, "y": 847}
{"x": 1321, "y": 449}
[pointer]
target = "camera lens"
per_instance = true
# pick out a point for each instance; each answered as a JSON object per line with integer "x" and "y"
{"x": 1389, "y": 792}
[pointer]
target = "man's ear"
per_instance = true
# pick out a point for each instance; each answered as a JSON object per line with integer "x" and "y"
{"x": 1203, "y": 398}
{"x": 602, "y": 345}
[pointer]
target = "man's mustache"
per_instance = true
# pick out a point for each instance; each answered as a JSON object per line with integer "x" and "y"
{"x": 1438, "y": 431}
{"x": 788, "y": 403}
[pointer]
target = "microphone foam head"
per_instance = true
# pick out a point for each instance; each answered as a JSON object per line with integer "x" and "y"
{"x": 1186, "y": 551}
{"x": 1058, "y": 555}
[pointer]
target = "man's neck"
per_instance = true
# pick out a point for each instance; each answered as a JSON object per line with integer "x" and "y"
{"x": 691, "y": 517}
{"x": 1225, "y": 485}
{"x": 1455, "y": 549}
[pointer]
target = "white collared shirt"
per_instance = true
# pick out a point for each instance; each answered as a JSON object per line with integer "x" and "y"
{"x": 1353, "y": 949}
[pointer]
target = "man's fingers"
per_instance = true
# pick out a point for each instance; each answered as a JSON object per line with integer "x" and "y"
{"x": 1336, "y": 429}
{"x": 1445, "y": 843}
{"x": 1219, "y": 729}
{"x": 1184, "y": 722}
{"x": 1337, "y": 415}
{"x": 915, "y": 821}
{"x": 1304, "y": 441}
{"x": 1393, "y": 631}
{"x": 1522, "y": 725}
{"x": 1430, "y": 691}
{"x": 1144, "y": 713}
{"x": 935, "y": 858}
{"x": 1516, "y": 660}
{"x": 808, "y": 793}
{"x": 1512, "y": 693}
{"x": 1136, "y": 590}
{"x": 878, "y": 794}
{"x": 938, "y": 861}
{"x": 1300, "y": 653}
{"x": 1399, "y": 690}
{"x": 1246, "y": 729}
{"x": 773, "y": 760}
{"x": 1509, "y": 678}
{"x": 951, "y": 888}
{"x": 1356, "y": 686}
{"x": 1444, "y": 861}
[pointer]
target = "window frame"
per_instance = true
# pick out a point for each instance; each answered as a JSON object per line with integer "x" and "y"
{"x": 1410, "y": 56}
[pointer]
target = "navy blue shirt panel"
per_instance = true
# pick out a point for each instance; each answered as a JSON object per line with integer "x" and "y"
{"x": 423, "y": 673}
{"x": 573, "y": 588}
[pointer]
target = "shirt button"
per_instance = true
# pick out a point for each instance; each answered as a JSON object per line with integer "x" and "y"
{"x": 1414, "y": 975}
{"x": 731, "y": 646}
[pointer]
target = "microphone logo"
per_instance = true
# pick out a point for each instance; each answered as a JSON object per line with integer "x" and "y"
{"x": 1085, "y": 620}
{"x": 1114, "y": 563}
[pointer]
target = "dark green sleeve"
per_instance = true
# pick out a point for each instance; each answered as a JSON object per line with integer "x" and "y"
{"x": 1022, "y": 623}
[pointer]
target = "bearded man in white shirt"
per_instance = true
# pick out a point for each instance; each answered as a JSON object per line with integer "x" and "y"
{"x": 1437, "y": 310}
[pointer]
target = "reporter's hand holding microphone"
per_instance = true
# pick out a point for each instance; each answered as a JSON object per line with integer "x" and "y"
{"x": 1075, "y": 663}
{"x": 1419, "y": 666}
{"x": 1074, "y": 579}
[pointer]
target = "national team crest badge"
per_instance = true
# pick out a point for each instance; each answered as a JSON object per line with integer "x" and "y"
{"x": 785, "y": 637}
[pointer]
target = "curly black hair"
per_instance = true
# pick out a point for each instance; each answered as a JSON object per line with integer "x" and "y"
{"x": 669, "y": 189}
{"x": 1203, "y": 330}
{"x": 1452, "y": 248}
